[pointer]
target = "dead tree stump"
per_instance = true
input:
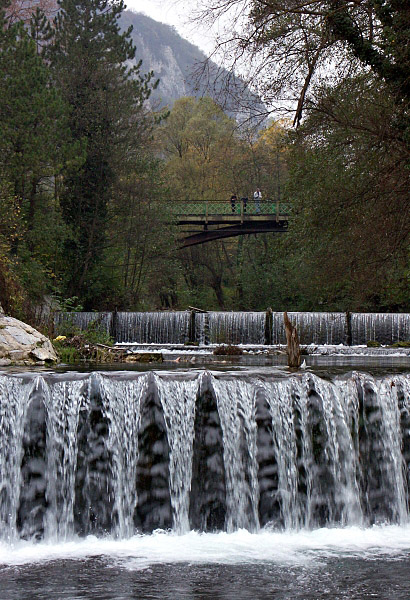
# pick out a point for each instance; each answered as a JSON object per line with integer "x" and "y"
{"x": 292, "y": 339}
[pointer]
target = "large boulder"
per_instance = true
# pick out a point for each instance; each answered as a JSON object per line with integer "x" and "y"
{"x": 22, "y": 344}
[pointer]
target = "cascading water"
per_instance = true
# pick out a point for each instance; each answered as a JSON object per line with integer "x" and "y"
{"x": 312, "y": 327}
{"x": 62, "y": 402}
{"x": 117, "y": 453}
{"x": 14, "y": 402}
{"x": 178, "y": 402}
{"x": 152, "y": 327}
{"x": 384, "y": 328}
{"x": 122, "y": 407}
{"x": 180, "y": 327}
{"x": 236, "y": 327}
{"x": 237, "y": 407}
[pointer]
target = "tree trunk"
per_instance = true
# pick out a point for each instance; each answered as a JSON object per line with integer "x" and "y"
{"x": 292, "y": 340}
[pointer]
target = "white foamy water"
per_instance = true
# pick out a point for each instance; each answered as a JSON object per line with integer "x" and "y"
{"x": 240, "y": 547}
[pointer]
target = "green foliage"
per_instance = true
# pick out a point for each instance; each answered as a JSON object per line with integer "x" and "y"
{"x": 349, "y": 181}
{"x": 401, "y": 345}
{"x": 95, "y": 333}
{"x": 67, "y": 354}
{"x": 67, "y": 305}
{"x": 11, "y": 293}
{"x": 73, "y": 345}
{"x": 35, "y": 147}
{"x": 88, "y": 56}
{"x": 387, "y": 53}
{"x": 373, "y": 344}
{"x": 138, "y": 259}
{"x": 197, "y": 138}
{"x": 33, "y": 120}
{"x": 228, "y": 351}
{"x": 89, "y": 175}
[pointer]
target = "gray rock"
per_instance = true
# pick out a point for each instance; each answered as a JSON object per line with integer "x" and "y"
{"x": 21, "y": 336}
{"x": 17, "y": 355}
{"x": 40, "y": 354}
{"x": 20, "y": 343}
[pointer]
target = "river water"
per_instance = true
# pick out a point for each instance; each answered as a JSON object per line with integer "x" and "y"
{"x": 349, "y": 564}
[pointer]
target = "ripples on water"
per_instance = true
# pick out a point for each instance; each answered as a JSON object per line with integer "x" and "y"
{"x": 348, "y": 564}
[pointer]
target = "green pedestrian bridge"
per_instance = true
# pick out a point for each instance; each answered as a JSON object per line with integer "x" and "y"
{"x": 207, "y": 220}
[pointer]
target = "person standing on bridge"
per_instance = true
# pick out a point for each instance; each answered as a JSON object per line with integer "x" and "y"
{"x": 257, "y": 196}
{"x": 233, "y": 202}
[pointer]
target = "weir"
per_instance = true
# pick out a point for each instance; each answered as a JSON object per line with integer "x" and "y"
{"x": 152, "y": 327}
{"x": 184, "y": 327}
{"x": 117, "y": 453}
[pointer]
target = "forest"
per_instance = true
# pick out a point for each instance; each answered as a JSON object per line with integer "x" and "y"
{"x": 90, "y": 169}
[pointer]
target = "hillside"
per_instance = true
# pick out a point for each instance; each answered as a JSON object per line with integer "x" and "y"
{"x": 174, "y": 61}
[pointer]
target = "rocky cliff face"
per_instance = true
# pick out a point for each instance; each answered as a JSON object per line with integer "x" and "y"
{"x": 165, "y": 52}
{"x": 175, "y": 61}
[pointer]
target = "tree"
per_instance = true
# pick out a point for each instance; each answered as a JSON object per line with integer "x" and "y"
{"x": 349, "y": 183}
{"x": 204, "y": 161}
{"x": 208, "y": 157}
{"x": 11, "y": 292}
{"x": 196, "y": 140}
{"x": 89, "y": 60}
{"x": 35, "y": 147}
{"x": 33, "y": 119}
{"x": 140, "y": 237}
{"x": 343, "y": 68}
{"x": 294, "y": 43}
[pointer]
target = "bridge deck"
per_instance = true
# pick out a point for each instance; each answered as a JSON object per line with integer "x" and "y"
{"x": 244, "y": 218}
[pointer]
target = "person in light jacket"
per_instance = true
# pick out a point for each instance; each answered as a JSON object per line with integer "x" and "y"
{"x": 257, "y": 196}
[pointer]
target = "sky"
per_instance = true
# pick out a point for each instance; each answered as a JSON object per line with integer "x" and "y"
{"x": 176, "y": 13}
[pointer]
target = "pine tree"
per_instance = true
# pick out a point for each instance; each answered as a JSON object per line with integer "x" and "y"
{"x": 34, "y": 148}
{"x": 33, "y": 117}
{"x": 89, "y": 58}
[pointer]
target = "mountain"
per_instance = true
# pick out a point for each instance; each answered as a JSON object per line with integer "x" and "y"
{"x": 175, "y": 61}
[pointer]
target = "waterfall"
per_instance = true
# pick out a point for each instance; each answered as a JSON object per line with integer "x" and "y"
{"x": 237, "y": 408}
{"x": 14, "y": 393}
{"x": 178, "y": 401}
{"x": 236, "y": 327}
{"x": 181, "y": 327}
{"x": 117, "y": 453}
{"x": 385, "y": 328}
{"x": 152, "y": 327}
{"x": 62, "y": 402}
{"x": 201, "y": 328}
{"x": 122, "y": 403}
{"x": 313, "y": 327}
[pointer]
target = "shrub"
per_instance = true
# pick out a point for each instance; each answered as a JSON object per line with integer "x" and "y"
{"x": 228, "y": 351}
{"x": 401, "y": 345}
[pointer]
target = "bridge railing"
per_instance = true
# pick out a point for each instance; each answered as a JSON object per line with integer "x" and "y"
{"x": 239, "y": 207}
